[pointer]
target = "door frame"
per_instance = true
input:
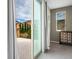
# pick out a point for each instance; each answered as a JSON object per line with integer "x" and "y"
{"x": 11, "y": 30}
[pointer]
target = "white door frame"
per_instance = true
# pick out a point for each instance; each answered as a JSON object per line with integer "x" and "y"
{"x": 11, "y": 29}
{"x": 45, "y": 37}
{"x": 43, "y": 26}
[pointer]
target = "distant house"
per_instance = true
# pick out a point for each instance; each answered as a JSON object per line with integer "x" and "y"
{"x": 28, "y": 22}
{"x": 19, "y": 25}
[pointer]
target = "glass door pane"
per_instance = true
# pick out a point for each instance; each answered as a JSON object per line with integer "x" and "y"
{"x": 23, "y": 28}
{"x": 37, "y": 27}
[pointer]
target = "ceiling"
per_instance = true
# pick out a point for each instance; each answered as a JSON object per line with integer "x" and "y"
{"x": 53, "y": 4}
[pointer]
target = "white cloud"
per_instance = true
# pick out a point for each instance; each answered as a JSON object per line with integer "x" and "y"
{"x": 23, "y": 8}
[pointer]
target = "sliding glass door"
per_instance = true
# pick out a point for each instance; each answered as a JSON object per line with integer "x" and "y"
{"x": 21, "y": 32}
{"x": 37, "y": 27}
{"x": 23, "y": 17}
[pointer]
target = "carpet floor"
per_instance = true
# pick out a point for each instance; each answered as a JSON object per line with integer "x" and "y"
{"x": 57, "y": 51}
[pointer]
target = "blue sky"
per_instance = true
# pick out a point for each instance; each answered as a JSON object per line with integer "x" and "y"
{"x": 23, "y": 10}
{"x": 61, "y": 15}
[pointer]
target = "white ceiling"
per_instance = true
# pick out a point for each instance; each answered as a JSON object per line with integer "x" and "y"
{"x": 53, "y": 4}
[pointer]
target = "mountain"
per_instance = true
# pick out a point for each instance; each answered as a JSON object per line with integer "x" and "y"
{"x": 21, "y": 20}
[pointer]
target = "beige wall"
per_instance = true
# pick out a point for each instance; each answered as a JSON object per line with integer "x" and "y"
{"x": 54, "y": 35}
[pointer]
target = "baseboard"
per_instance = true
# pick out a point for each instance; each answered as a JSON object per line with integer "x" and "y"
{"x": 38, "y": 55}
{"x": 54, "y": 42}
{"x": 46, "y": 50}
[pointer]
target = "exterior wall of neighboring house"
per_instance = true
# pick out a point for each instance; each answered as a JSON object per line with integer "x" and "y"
{"x": 17, "y": 30}
{"x": 54, "y": 35}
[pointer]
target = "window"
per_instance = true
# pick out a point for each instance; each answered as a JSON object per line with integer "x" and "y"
{"x": 23, "y": 10}
{"x": 60, "y": 20}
